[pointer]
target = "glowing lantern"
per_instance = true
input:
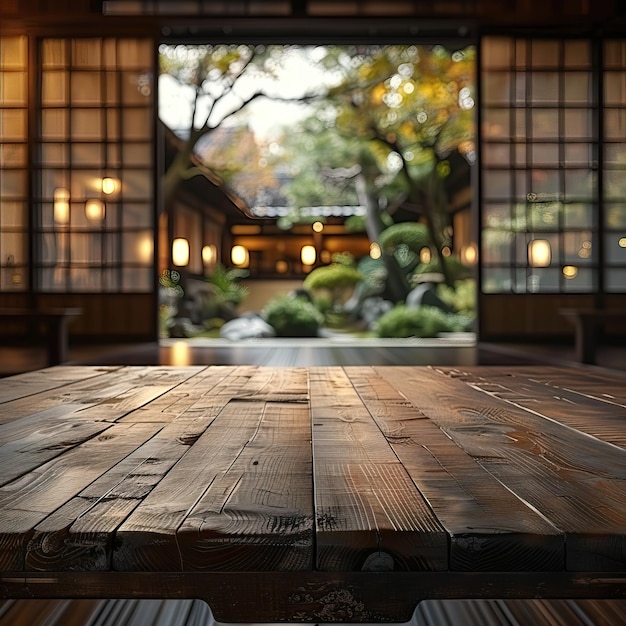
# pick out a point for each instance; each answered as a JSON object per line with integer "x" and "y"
{"x": 180, "y": 252}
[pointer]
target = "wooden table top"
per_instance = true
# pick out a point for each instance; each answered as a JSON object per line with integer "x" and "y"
{"x": 311, "y": 476}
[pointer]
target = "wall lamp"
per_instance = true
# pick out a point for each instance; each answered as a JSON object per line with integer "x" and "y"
{"x": 539, "y": 253}
{"x": 180, "y": 252}
{"x": 240, "y": 256}
{"x": 308, "y": 255}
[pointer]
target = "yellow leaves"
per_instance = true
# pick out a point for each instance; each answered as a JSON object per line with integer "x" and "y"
{"x": 425, "y": 91}
{"x": 222, "y": 62}
{"x": 407, "y": 129}
{"x": 377, "y": 94}
{"x": 442, "y": 116}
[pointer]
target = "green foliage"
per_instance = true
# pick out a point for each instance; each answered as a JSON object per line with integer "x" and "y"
{"x": 411, "y": 234}
{"x": 344, "y": 258}
{"x": 355, "y": 224}
{"x": 292, "y": 317}
{"x": 333, "y": 276}
{"x": 461, "y": 297}
{"x": 374, "y": 273}
{"x": 423, "y": 321}
{"x": 456, "y": 269}
{"x": 225, "y": 284}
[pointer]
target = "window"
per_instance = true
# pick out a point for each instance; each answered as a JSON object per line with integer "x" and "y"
{"x": 539, "y": 167}
{"x": 13, "y": 164}
{"x": 94, "y": 198}
{"x": 614, "y": 117}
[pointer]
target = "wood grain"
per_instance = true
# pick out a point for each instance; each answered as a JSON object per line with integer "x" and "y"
{"x": 558, "y": 396}
{"x": 365, "y": 502}
{"x": 35, "y": 382}
{"x": 257, "y": 514}
{"x": 116, "y": 392}
{"x": 290, "y": 493}
{"x": 148, "y": 539}
{"x": 575, "y": 481}
{"x": 27, "y": 501}
{"x": 490, "y": 528}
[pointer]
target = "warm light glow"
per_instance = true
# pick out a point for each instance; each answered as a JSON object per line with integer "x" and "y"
{"x": 61, "y": 193}
{"x": 180, "y": 354}
{"x": 570, "y": 271}
{"x": 469, "y": 254}
{"x": 180, "y": 252}
{"x": 308, "y": 255}
{"x": 209, "y": 254}
{"x": 94, "y": 209}
{"x": 61, "y": 205}
{"x": 446, "y": 251}
{"x": 622, "y": 242}
{"x": 239, "y": 256}
{"x": 425, "y": 255}
{"x": 326, "y": 256}
{"x": 539, "y": 253}
{"x": 145, "y": 249}
{"x": 375, "y": 251}
{"x": 282, "y": 266}
{"x": 110, "y": 185}
{"x": 318, "y": 227}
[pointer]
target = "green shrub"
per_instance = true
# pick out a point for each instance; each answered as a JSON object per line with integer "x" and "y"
{"x": 226, "y": 284}
{"x": 461, "y": 297}
{"x": 333, "y": 276}
{"x": 424, "y": 321}
{"x": 454, "y": 266}
{"x": 411, "y": 234}
{"x": 292, "y": 317}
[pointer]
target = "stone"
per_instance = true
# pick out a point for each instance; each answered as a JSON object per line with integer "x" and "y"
{"x": 425, "y": 295}
{"x": 246, "y": 328}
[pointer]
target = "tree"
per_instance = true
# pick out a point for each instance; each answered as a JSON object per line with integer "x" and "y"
{"x": 218, "y": 83}
{"x": 401, "y": 111}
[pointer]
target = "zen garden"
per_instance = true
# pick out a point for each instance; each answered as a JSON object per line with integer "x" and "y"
{"x": 385, "y": 129}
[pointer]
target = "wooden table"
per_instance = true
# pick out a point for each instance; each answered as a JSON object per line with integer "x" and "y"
{"x": 313, "y": 494}
{"x": 51, "y": 322}
{"x": 587, "y": 322}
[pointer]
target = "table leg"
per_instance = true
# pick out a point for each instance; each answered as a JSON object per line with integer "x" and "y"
{"x": 586, "y": 336}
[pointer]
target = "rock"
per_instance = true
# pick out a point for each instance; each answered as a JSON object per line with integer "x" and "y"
{"x": 183, "y": 328}
{"x": 246, "y": 328}
{"x": 424, "y": 295}
{"x": 372, "y": 308}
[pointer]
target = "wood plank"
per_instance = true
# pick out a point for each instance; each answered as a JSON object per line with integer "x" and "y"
{"x": 80, "y": 534}
{"x": 257, "y": 514}
{"x": 116, "y": 385}
{"x": 562, "y": 473}
{"x": 609, "y": 385}
{"x": 148, "y": 539}
{"x": 78, "y": 414}
{"x": 31, "y": 383}
{"x": 490, "y": 528}
{"x": 191, "y": 396}
{"x": 42, "y": 436}
{"x": 557, "y": 398}
{"x": 369, "y": 513}
{"x": 27, "y": 501}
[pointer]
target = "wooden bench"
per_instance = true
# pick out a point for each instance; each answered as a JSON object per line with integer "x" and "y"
{"x": 586, "y": 323}
{"x": 52, "y": 323}
{"x": 322, "y": 494}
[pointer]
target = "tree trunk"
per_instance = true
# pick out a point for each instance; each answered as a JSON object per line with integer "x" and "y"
{"x": 397, "y": 286}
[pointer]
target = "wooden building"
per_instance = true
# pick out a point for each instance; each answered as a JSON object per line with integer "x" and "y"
{"x": 79, "y": 137}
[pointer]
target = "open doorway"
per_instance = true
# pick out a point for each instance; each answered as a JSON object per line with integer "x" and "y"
{"x": 317, "y": 189}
